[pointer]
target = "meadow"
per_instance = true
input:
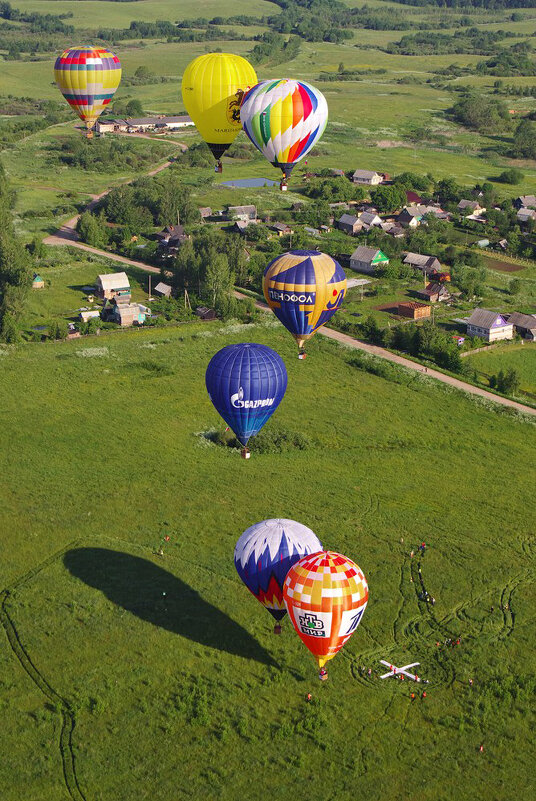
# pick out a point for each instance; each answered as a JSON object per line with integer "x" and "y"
{"x": 521, "y": 357}
{"x": 143, "y": 676}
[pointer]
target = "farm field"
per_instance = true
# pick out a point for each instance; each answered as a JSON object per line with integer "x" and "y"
{"x": 521, "y": 357}
{"x": 189, "y": 694}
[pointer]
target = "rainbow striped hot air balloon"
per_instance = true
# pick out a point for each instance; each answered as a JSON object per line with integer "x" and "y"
{"x": 284, "y": 119}
{"x": 88, "y": 78}
{"x": 304, "y": 289}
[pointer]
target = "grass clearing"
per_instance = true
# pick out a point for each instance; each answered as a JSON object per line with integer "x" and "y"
{"x": 519, "y": 356}
{"x": 195, "y": 678}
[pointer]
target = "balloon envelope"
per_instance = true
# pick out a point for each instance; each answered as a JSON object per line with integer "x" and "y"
{"x": 264, "y": 554}
{"x": 246, "y": 383}
{"x": 325, "y": 595}
{"x": 88, "y": 78}
{"x": 304, "y": 289}
{"x": 284, "y": 119}
{"x": 213, "y": 86}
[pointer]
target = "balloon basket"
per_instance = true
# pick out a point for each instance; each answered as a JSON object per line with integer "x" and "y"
{"x": 218, "y": 167}
{"x": 89, "y": 134}
{"x": 277, "y": 628}
{"x": 283, "y": 185}
{"x": 245, "y": 453}
{"x": 323, "y": 675}
{"x": 302, "y": 354}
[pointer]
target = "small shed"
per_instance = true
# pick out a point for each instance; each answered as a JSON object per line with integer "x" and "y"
{"x": 38, "y": 282}
{"x": 88, "y": 315}
{"x": 414, "y": 310}
{"x": 163, "y": 289}
{"x": 524, "y": 324}
{"x": 434, "y": 292}
{"x": 204, "y": 313}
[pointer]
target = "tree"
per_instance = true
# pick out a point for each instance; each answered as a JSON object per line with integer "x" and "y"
{"x": 525, "y": 140}
{"x": 218, "y": 277}
{"x": 93, "y": 230}
{"x": 143, "y": 72}
{"x": 134, "y": 108}
{"x": 514, "y": 286}
{"x": 388, "y": 199}
{"x": 511, "y": 176}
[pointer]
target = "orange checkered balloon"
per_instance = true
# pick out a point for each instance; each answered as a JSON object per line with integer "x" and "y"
{"x": 325, "y": 594}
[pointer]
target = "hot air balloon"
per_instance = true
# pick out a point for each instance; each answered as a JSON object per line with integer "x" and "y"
{"x": 213, "y": 86}
{"x": 88, "y": 78}
{"x": 304, "y": 288}
{"x": 325, "y": 594}
{"x": 263, "y": 556}
{"x": 246, "y": 383}
{"x": 284, "y": 119}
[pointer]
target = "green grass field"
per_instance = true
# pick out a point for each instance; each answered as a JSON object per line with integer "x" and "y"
{"x": 520, "y": 357}
{"x": 188, "y": 694}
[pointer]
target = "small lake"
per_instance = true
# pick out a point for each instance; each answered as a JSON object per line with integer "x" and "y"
{"x": 249, "y": 182}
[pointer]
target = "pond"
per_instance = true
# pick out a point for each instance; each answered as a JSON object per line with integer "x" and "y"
{"x": 249, "y": 182}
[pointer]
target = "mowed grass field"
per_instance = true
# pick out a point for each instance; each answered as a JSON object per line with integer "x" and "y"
{"x": 520, "y": 357}
{"x": 168, "y": 668}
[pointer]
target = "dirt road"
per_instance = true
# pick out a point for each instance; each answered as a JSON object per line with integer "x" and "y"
{"x": 66, "y": 234}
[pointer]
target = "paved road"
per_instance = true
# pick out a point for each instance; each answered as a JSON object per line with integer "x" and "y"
{"x": 375, "y": 350}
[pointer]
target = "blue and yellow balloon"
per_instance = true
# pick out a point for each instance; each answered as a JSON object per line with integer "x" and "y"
{"x": 304, "y": 289}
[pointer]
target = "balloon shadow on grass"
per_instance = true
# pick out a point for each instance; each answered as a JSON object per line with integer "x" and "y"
{"x": 154, "y": 595}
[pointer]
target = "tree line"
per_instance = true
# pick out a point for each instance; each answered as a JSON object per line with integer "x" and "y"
{"x": 14, "y": 267}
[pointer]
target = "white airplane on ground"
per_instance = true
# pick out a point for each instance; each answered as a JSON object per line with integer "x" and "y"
{"x": 396, "y": 671}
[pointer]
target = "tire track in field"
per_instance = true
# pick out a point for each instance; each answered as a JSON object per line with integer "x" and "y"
{"x": 65, "y": 710}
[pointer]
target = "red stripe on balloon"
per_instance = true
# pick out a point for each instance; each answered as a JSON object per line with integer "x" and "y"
{"x": 306, "y": 102}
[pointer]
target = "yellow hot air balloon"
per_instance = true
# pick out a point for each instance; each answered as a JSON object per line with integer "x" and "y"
{"x": 213, "y": 86}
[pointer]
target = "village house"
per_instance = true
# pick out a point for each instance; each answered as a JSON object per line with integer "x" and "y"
{"x": 412, "y": 198}
{"x": 412, "y": 216}
{"x": 281, "y": 229}
{"x": 414, "y": 310}
{"x": 37, "y": 282}
{"x": 240, "y": 226}
{"x": 350, "y": 224}
{"x": 127, "y": 314}
{"x": 434, "y": 292}
{"x": 419, "y": 261}
{"x": 336, "y": 173}
{"x": 164, "y": 290}
{"x": 172, "y": 236}
{"x": 113, "y": 285}
{"x": 392, "y": 228}
{"x": 525, "y": 214}
{"x": 366, "y": 260}
{"x": 525, "y": 202}
{"x": 489, "y": 325}
{"x": 370, "y": 219}
{"x": 367, "y": 177}
{"x": 524, "y": 324}
{"x": 159, "y": 123}
{"x": 244, "y": 213}
{"x": 205, "y": 212}
{"x": 471, "y": 208}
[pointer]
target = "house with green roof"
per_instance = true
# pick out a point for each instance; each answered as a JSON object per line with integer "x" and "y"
{"x": 367, "y": 260}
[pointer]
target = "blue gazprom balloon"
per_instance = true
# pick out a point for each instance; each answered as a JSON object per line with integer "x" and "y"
{"x": 246, "y": 384}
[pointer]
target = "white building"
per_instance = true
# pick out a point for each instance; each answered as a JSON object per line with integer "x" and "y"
{"x": 367, "y": 177}
{"x": 489, "y": 325}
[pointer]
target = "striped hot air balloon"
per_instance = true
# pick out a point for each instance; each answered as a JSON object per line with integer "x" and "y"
{"x": 284, "y": 119}
{"x": 88, "y": 78}
{"x": 325, "y": 595}
{"x": 304, "y": 289}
